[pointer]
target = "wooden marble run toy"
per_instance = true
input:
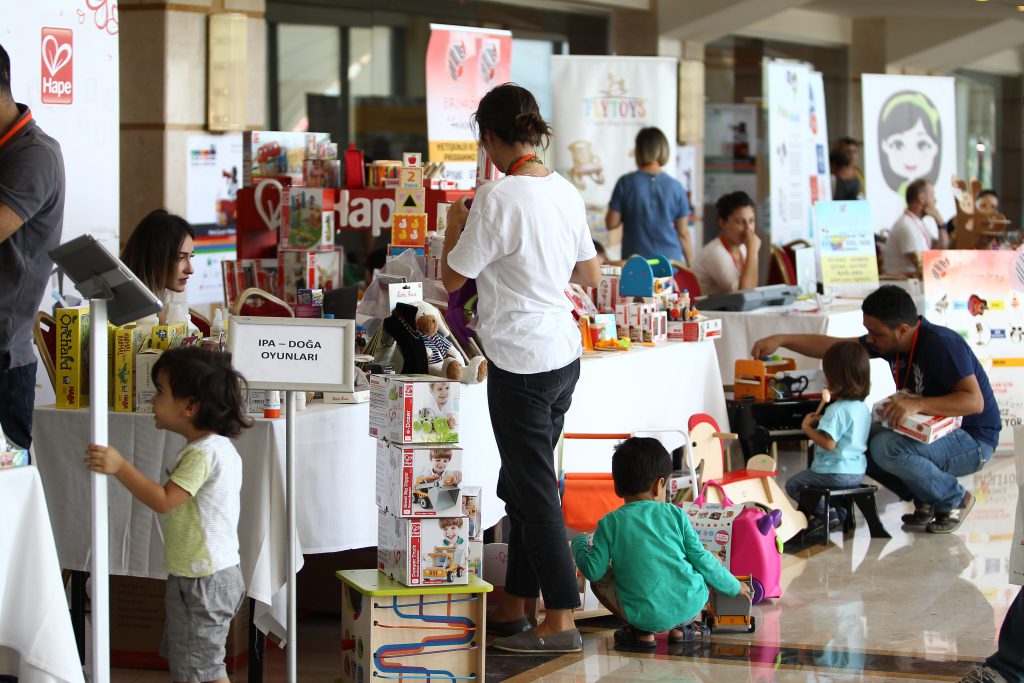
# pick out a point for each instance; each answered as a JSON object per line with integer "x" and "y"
{"x": 754, "y": 484}
{"x": 646, "y": 277}
{"x": 391, "y": 631}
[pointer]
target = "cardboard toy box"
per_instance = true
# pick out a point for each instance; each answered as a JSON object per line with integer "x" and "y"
{"x": 422, "y": 552}
{"x": 144, "y": 387}
{"x": 695, "y": 330}
{"x": 308, "y": 221}
{"x": 137, "y": 624}
{"x": 379, "y": 405}
{"x": 127, "y": 342}
{"x": 168, "y": 336}
{"x": 72, "y": 364}
{"x": 422, "y": 409}
{"x": 923, "y": 428}
{"x": 419, "y": 481}
{"x": 308, "y": 269}
{"x": 271, "y": 153}
{"x": 475, "y": 559}
{"x": 608, "y": 289}
{"x": 471, "y": 510}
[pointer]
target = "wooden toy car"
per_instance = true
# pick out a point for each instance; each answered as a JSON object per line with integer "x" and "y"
{"x": 725, "y": 612}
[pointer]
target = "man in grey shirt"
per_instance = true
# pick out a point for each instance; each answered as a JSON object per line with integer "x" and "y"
{"x": 31, "y": 218}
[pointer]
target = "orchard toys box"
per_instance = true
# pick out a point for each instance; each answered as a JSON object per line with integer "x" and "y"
{"x": 422, "y": 552}
{"x": 72, "y": 364}
{"x": 422, "y": 409}
{"x": 419, "y": 481}
{"x": 923, "y": 428}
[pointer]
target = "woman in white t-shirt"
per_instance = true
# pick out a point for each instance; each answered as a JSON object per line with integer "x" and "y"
{"x": 729, "y": 263}
{"x": 524, "y": 241}
{"x": 160, "y": 252}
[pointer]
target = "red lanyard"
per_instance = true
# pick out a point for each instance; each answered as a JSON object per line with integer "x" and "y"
{"x": 919, "y": 222}
{"x": 735, "y": 261}
{"x": 519, "y": 162}
{"x": 16, "y": 127}
{"x": 910, "y": 361}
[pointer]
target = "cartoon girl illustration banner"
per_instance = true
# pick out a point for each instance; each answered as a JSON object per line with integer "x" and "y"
{"x": 909, "y": 133}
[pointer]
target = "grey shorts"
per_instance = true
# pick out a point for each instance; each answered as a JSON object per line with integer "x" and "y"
{"x": 199, "y": 613}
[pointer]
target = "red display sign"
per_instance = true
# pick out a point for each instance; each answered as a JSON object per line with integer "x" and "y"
{"x": 57, "y": 61}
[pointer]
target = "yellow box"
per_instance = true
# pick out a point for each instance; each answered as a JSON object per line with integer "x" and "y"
{"x": 168, "y": 336}
{"x": 72, "y": 358}
{"x": 127, "y": 342}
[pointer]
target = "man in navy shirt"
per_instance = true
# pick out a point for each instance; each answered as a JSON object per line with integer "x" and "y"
{"x": 939, "y": 375}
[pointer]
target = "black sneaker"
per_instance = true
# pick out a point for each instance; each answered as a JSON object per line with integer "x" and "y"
{"x": 983, "y": 674}
{"x": 951, "y": 521}
{"x": 922, "y": 514}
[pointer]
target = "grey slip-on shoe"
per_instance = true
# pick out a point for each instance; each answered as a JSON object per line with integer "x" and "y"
{"x": 529, "y": 643}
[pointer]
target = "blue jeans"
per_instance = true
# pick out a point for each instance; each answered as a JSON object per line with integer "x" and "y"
{"x": 1009, "y": 659}
{"x": 827, "y": 480}
{"x": 527, "y": 414}
{"x": 929, "y": 471}
{"x": 17, "y": 398}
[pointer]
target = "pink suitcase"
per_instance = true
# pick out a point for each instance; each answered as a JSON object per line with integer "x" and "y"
{"x": 754, "y": 550}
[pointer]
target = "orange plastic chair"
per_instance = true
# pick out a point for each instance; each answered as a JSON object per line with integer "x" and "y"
{"x": 686, "y": 279}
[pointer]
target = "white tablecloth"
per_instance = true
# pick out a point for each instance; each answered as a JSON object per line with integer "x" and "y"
{"x": 335, "y": 466}
{"x": 840, "y": 319}
{"x": 37, "y": 643}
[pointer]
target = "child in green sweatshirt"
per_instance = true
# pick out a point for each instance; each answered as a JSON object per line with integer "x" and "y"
{"x": 647, "y": 564}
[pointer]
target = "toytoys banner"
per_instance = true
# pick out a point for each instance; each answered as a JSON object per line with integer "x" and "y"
{"x": 909, "y": 133}
{"x": 64, "y": 57}
{"x": 980, "y": 295}
{"x": 463, "y": 64}
{"x": 600, "y": 104}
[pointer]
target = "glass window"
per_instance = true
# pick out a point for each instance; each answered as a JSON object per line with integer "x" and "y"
{"x": 309, "y": 63}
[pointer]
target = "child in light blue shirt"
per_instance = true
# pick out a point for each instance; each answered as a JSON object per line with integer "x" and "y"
{"x": 841, "y": 433}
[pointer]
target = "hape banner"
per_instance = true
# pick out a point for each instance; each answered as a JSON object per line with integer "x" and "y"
{"x": 980, "y": 295}
{"x": 909, "y": 133}
{"x": 463, "y": 65}
{"x": 600, "y": 104}
{"x": 64, "y": 66}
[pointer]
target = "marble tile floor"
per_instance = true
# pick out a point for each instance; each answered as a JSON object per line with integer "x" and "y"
{"x": 917, "y": 607}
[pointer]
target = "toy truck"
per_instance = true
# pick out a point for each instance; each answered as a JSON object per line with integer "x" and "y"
{"x": 446, "y": 563}
{"x": 725, "y": 612}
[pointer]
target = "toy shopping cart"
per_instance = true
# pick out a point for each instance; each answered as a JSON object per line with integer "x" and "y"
{"x": 589, "y": 496}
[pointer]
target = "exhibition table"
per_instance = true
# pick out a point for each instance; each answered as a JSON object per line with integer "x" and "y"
{"x": 647, "y": 388}
{"x": 842, "y": 318}
{"x": 37, "y": 644}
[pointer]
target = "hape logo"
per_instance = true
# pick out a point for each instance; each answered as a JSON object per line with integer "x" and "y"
{"x": 56, "y": 53}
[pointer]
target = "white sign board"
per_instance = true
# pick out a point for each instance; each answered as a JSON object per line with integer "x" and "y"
{"x": 300, "y": 354}
{"x": 788, "y": 92}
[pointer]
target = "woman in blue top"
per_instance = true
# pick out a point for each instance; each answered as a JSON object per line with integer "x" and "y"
{"x": 651, "y": 206}
{"x": 841, "y": 434}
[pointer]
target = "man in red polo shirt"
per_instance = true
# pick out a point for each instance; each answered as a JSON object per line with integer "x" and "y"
{"x": 31, "y": 218}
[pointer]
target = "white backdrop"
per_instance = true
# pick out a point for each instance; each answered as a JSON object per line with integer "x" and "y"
{"x": 600, "y": 104}
{"x": 909, "y": 133}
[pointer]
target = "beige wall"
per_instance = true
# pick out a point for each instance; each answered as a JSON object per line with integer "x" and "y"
{"x": 163, "y": 95}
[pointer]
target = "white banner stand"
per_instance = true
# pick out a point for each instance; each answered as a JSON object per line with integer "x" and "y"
{"x": 112, "y": 289}
{"x": 295, "y": 354}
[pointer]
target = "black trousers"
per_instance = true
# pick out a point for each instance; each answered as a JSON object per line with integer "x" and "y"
{"x": 527, "y": 414}
{"x": 1009, "y": 658}
{"x": 17, "y": 400}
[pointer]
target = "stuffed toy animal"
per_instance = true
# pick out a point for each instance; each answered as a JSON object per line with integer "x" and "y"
{"x": 444, "y": 359}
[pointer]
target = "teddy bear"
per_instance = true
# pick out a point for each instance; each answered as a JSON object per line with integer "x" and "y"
{"x": 444, "y": 359}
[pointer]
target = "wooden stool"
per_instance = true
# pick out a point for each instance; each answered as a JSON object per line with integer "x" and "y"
{"x": 389, "y": 629}
{"x": 863, "y": 496}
